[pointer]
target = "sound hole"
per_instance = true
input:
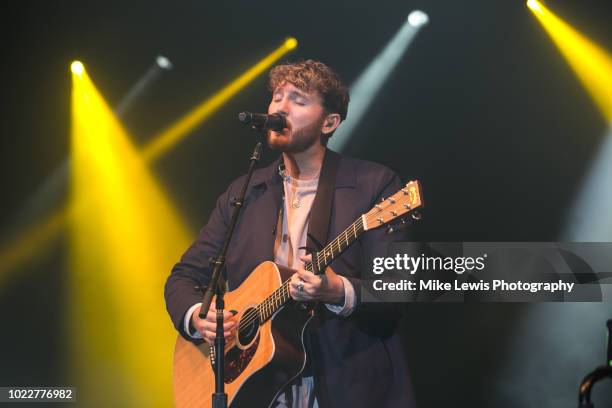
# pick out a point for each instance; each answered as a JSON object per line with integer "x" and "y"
{"x": 248, "y": 326}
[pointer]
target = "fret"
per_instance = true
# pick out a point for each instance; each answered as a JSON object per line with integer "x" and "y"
{"x": 354, "y": 230}
{"x": 346, "y": 237}
{"x": 263, "y": 311}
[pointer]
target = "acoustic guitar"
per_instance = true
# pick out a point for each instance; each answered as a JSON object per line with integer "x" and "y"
{"x": 268, "y": 351}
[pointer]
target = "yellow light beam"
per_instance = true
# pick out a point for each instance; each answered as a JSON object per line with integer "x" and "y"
{"x": 38, "y": 237}
{"x": 33, "y": 240}
{"x": 591, "y": 63}
{"x": 124, "y": 238}
{"x": 173, "y": 134}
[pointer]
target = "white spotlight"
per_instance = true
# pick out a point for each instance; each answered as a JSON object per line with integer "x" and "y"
{"x": 417, "y": 18}
{"x": 164, "y": 62}
{"x": 365, "y": 89}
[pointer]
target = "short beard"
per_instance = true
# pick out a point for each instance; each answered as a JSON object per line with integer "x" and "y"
{"x": 301, "y": 140}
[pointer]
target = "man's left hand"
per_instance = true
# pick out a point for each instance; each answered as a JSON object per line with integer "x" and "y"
{"x": 305, "y": 286}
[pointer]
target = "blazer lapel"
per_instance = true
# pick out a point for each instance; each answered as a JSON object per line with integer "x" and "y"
{"x": 320, "y": 214}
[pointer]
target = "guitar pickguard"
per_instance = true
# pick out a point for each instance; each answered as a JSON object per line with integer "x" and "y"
{"x": 236, "y": 360}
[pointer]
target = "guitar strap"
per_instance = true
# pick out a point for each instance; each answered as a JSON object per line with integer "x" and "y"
{"x": 320, "y": 214}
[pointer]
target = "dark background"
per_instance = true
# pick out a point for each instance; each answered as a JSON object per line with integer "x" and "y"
{"x": 483, "y": 109}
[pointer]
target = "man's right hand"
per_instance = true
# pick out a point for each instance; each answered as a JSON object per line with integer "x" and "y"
{"x": 206, "y": 327}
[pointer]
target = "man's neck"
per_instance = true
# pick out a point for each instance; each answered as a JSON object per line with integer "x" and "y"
{"x": 305, "y": 165}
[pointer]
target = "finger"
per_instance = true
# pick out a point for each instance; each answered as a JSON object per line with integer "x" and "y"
{"x": 213, "y": 306}
{"x": 306, "y": 258}
{"x": 295, "y": 294}
{"x": 212, "y": 315}
{"x": 211, "y": 336}
{"x": 212, "y": 326}
{"x": 295, "y": 280}
{"x": 293, "y": 289}
{"x": 296, "y": 283}
{"x": 308, "y": 276}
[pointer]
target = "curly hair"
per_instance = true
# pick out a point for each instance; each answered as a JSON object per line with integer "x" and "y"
{"x": 312, "y": 75}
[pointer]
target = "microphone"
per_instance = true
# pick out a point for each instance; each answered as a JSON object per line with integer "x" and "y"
{"x": 262, "y": 121}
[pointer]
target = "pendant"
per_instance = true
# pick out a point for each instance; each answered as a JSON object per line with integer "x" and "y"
{"x": 296, "y": 203}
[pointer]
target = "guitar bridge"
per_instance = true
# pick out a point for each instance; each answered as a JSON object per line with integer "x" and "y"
{"x": 211, "y": 355}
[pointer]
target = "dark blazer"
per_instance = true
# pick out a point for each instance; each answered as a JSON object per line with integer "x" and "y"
{"x": 356, "y": 361}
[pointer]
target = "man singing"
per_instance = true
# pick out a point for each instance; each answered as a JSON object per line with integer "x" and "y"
{"x": 355, "y": 357}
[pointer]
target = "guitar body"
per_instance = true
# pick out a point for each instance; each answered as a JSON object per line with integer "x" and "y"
{"x": 265, "y": 359}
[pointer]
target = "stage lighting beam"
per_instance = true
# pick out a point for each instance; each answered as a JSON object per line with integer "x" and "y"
{"x": 591, "y": 63}
{"x": 367, "y": 86}
{"x": 167, "y": 139}
{"x": 124, "y": 237}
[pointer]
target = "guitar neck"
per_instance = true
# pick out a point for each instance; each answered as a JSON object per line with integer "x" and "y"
{"x": 320, "y": 260}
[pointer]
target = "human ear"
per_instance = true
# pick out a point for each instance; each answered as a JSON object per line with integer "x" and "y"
{"x": 331, "y": 122}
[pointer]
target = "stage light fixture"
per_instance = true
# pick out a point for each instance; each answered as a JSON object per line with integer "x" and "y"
{"x": 291, "y": 43}
{"x": 534, "y": 5}
{"x": 77, "y": 68}
{"x": 417, "y": 18}
{"x": 164, "y": 62}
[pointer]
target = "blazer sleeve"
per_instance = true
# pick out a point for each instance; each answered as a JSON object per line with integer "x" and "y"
{"x": 193, "y": 269}
{"x": 389, "y": 183}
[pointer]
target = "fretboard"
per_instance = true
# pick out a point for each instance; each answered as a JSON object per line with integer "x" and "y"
{"x": 321, "y": 260}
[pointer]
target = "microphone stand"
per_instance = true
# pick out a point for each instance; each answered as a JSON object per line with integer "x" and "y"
{"x": 601, "y": 372}
{"x": 217, "y": 286}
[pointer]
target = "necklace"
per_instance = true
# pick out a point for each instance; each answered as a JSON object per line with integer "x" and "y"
{"x": 296, "y": 203}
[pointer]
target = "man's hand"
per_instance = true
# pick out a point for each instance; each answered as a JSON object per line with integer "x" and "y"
{"x": 308, "y": 287}
{"x": 207, "y": 327}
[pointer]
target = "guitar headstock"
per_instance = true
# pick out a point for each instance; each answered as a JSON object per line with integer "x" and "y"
{"x": 408, "y": 199}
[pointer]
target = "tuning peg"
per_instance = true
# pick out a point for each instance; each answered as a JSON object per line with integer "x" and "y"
{"x": 416, "y": 215}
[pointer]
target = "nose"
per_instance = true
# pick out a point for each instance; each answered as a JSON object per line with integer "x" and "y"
{"x": 282, "y": 107}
